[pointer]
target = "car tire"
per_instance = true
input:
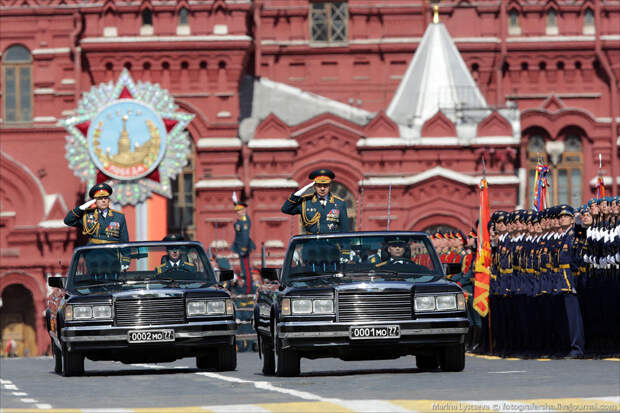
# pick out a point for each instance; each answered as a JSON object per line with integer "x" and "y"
{"x": 427, "y": 361}
{"x": 57, "y": 359}
{"x": 72, "y": 363}
{"x": 226, "y": 358}
{"x": 288, "y": 363}
{"x": 269, "y": 359}
{"x": 453, "y": 358}
{"x": 206, "y": 362}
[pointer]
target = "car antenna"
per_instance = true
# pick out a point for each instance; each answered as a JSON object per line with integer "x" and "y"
{"x": 389, "y": 205}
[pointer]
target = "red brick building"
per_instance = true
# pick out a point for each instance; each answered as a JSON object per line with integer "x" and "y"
{"x": 380, "y": 95}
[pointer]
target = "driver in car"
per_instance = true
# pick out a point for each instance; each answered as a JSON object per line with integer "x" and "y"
{"x": 174, "y": 260}
{"x": 398, "y": 252}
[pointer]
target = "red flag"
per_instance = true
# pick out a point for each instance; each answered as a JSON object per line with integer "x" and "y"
{"x": 483, "y": 259}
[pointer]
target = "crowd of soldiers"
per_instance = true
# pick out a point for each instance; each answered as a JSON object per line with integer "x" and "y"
{"x": 555, "y": 281}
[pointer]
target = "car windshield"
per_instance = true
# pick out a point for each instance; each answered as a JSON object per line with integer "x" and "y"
{"x": 361, "y": 256}
{"x": 131, "y": 267}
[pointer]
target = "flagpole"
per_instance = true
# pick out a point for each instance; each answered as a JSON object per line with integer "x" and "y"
{"x": 484, "y": 176}
{"x": 389, "y": 205}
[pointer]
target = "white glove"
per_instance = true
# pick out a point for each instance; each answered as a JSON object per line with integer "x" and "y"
{"x": 304, "y": 189}
{"x": 86, "y": 205}
{"x": 124, "y": 267}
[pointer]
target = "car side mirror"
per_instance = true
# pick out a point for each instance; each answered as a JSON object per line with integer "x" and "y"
{"x": 226, "y": 275}
{"x": 270, "y": 274}
{"x": 452, "y": 268}
{"x": 56, "y": 282}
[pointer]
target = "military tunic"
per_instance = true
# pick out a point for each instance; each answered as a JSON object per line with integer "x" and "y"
{"x": 99, "y": 229}
{"x": 317, "y": 218}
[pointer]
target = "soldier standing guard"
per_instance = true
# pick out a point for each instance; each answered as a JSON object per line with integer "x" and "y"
{"x": 322, "y": 211}
{"x": 243, "y": 244}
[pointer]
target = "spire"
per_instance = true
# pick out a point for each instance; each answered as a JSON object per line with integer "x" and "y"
{"x": 435, "y": 4}
{"x": 437, "y": 79}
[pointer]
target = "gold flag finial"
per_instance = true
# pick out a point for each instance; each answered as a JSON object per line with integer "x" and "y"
{"x": 435, "y": 4}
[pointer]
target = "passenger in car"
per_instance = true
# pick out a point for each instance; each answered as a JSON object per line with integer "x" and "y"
{"x": 174, "y": 260}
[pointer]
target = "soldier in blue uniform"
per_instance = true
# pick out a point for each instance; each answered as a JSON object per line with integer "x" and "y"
{"x": 102, "y": 225}
{"x": 243, "y": 244}
{"x": 321, "y": 212}
{"x": 175, "y": 260}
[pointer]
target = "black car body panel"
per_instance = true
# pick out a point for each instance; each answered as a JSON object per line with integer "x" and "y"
{"x": 140, "y": 303}
{"x": 375, "y": 298}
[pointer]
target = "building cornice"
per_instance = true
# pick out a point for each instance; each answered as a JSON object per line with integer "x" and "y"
{"x": 438, "y": 171}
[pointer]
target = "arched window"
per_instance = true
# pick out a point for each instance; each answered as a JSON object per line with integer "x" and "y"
{"x": 17, "y": 84}
{"x": 343, "y": 192}
{"x": 588, "y": 22}
{"x": 565, "y": 174}
{"x": 181, "y": 217}
{"x": 147, "y": 23}
{"x": 183, "y": 23}
{"x": 552, "y": 22}
{"x": 513, "y": 22}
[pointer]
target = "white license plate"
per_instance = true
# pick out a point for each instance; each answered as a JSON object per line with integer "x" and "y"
{"x": 372, "y": 332}
{"x": 150, "y": 336}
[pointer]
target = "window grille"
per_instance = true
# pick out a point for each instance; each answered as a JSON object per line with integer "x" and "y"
{"x": 328, "y": 21}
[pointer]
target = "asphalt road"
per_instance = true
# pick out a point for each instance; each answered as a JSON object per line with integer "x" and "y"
{"x": 487, "y": 384}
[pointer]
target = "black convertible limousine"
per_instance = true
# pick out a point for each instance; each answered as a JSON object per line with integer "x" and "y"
{"x": 141, "y": 302}
{"x": 360, "y": 296}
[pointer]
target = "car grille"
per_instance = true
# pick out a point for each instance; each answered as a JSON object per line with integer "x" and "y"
{"x": 374, "y": 306}
{"x": 150, "y": 311}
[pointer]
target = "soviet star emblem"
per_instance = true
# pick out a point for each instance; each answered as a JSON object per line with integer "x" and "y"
{"x": 129, "y": 135}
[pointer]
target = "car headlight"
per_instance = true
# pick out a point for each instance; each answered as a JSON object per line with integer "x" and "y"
{"x": 102, "y": 311}
{"x": 425, "y": 303}
{"x": 460, "y": 301}
{"x": 82, "y": 312}
{"x": 302, "y": 306}
{"x": 446, "y": 302}
{"x": 264, "y": 310}
{"x": 196, "y": 308}
{"x": 216, "y": 307}
{"x": 322, "y": 306}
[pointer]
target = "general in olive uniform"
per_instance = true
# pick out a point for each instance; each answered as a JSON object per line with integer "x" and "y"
{"x": 321, "y": 212}
{"x": 102, "y": 225}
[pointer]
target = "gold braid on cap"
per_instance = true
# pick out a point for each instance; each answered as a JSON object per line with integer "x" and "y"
{"x": 307, "y": 222}
{"x": 92, "y": 230}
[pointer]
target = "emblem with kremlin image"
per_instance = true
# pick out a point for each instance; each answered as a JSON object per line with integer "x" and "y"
{"x": 129, "y": 135}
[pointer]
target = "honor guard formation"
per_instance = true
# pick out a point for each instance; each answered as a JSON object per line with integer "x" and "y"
{"x": 555, "y": 281}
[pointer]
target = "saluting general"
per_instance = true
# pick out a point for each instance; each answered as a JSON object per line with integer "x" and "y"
{"x": 101, "y": 224}
{"x": 321, "y": 211}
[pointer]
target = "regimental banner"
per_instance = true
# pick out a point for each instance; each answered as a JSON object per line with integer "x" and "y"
{"x": 129, "y": 135}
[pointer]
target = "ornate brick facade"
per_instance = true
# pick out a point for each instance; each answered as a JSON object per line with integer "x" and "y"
{"x": 274, "y": 97}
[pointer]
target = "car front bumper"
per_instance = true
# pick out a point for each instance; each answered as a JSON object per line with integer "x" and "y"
{"x": 190, "y": 334}
{"x": 426, "y": 331}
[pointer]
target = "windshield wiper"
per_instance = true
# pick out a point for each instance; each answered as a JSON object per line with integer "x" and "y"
{"x": 371, "y": 273}
{"x": 81, "y": 285}
{"x": 305, "y": 276}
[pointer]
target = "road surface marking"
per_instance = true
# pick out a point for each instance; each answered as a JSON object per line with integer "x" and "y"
{"x": 508, "y": 371}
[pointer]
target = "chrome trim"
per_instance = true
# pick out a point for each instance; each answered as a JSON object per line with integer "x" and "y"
{"x": 192, "y": 334}
{"x": 77, "y": 339}
{"x": 413, "y": 332}
{"x": 264, "y": 330}
{"x": 157, "y": 327}
{"x": 402, "y": 323}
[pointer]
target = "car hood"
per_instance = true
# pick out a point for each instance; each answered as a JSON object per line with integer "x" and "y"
{"x": 373, "y": 284}
{"x": 148, "y": 293}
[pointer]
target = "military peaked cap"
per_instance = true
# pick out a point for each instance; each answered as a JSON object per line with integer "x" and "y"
{"x": 322, "y": 176}
{"x": 100, "y": 190}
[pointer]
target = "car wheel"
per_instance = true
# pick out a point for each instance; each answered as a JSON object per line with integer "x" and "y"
{"x": 453, "y": 358}
{"x": 206, "y": 362}
{"x": 226, "y": 358}
{"x": 427, "y": 362}
{"x": 57, "y": 359}
{"x": 287, "y": 361}
{"x": 269, "y": 359}
{"x": 72, "y": 363}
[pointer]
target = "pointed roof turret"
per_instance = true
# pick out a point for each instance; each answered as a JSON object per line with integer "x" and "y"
{"x": 437, "y": 79}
